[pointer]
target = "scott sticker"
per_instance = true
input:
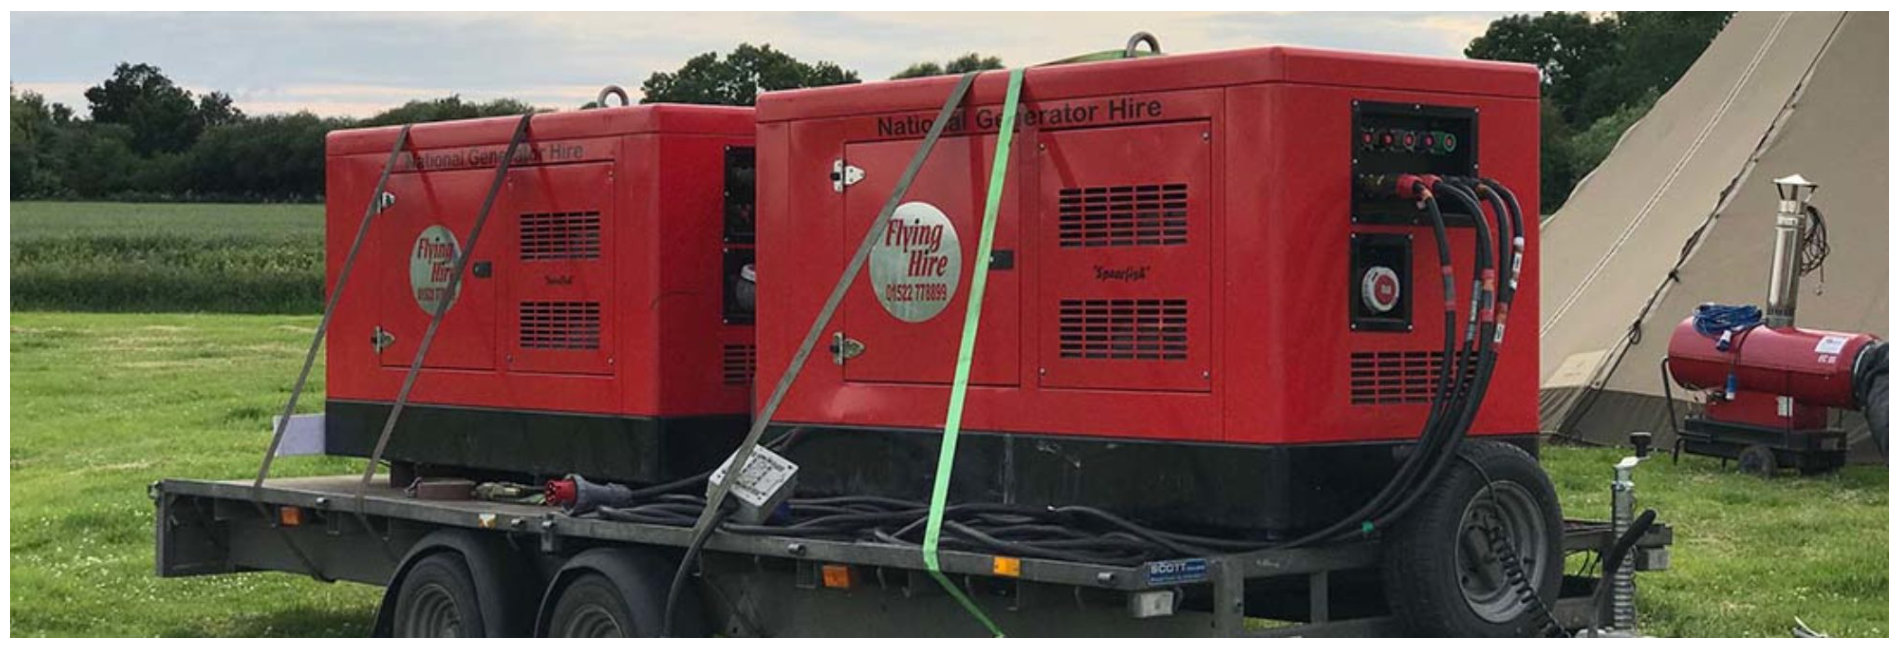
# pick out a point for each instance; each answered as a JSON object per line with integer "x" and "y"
{"x": 916, "y": 263}
{"x": 431, "y": 264}
{"x": 1173, "y": 572}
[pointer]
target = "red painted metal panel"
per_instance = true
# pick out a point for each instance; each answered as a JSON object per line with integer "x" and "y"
{"x": 1125, "y": 248}
{"x": 954, "y": 183}
{"x": 555, "y": 261}
{"x": 1279, "y": 350}
{"x": 417, "y": 241}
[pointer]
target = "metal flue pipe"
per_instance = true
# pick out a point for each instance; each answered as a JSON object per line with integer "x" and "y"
{"x": 1782, "y": 295}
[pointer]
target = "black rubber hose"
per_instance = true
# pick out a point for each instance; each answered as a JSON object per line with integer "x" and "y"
{"x": 1874, "y": 397}
{"x": 1440, "y": 439}
{"x": 1612, "y": 562}
{"x": 686, "y": 566}
{"x": 1485, "y": 364}
{"x": 1406, "y": 472}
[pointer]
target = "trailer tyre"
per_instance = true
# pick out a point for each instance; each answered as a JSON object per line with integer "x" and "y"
{"x": 437, "y": 600}
{"x": 1443, "y": 575}
{"x": 612, "y": 591}
{"x": 591, "y": 607}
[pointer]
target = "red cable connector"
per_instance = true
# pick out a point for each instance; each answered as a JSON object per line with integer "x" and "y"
{"x": 561, "y": 492}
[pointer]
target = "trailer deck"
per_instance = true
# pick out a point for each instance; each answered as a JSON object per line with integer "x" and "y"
{"x": 770, "y": 585}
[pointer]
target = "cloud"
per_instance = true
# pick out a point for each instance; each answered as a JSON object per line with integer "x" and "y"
{"x": 356, "y": 64}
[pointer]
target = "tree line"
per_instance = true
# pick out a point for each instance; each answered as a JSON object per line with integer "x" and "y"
{"x": 143, "y": 138}
{"x": 1600, "y": 74}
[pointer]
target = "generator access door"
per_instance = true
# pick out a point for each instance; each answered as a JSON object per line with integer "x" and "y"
{"x": 417, "y": 239}
{"x": 1125, "y": 241}
{"x": 555, "y": 263}
{"x": 906, "y": 310}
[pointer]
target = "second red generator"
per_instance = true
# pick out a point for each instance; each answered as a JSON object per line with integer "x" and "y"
{"x": 604, "y": 324}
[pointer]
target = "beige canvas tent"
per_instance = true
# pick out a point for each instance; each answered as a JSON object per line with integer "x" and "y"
{"x": 1681, "y": 213}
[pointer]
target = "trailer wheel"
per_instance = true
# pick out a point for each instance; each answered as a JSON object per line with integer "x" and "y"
{"x": 1759, "y": 460}
{"x": 619, "y": 592}
{"x": 590, "y": 607}
{"x": 1444, "y": 576}
{"x": 437, "y": 600}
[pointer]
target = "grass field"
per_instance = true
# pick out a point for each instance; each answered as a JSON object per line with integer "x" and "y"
{"x": 90, "y": 256}
{"x": 104, "y": 404}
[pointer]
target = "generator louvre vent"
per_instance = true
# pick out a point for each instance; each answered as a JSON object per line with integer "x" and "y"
{"x": 741, "y": 362}
{"x": 1131, "y": 215}
{"x": 1124, "y": 329}
{"x": 571, "y": 235}
{"x": 560, "y": 325}
{"x": 1386, "y": 378}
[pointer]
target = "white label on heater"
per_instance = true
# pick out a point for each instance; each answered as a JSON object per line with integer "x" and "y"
{"x": 1786, "y": 406}
{"x": 916, "y": 262}
{"x": 1831, "y": 345}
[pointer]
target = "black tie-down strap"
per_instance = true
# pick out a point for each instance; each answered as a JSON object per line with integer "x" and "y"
{"x": 434, "y": 325}
{"x": 375, "y": 206}
{"x": 742, "y": 456}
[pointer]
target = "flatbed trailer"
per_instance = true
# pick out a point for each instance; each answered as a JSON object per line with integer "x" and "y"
{"x": 520, "y": 558}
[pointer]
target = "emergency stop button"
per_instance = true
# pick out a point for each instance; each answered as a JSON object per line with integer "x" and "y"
{"x": 1381, "y": 289}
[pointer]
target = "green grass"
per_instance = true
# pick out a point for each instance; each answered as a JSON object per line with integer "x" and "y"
{"x": 1749, "y": 554}
{"x": 90, "y": 256}
{"x": 104, "y": 404}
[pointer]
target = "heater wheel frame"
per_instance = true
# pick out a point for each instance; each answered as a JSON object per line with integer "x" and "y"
{"x": 1426, "y": 553}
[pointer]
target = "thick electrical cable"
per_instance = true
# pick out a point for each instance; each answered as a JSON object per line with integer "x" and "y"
{"x": 1485, "y": 363}
{"x": 1405, "y": 474}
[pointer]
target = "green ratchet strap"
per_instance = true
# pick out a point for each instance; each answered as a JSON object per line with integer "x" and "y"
{"x": 965, "y": 355}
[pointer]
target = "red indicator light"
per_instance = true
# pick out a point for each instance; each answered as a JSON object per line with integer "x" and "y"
{"x": 1429, "y": 141}
{"x": 1386, "y": 139}
{"x": 1410, "y": 140}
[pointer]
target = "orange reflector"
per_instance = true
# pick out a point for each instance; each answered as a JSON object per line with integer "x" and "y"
{"x": 289, "y": 515}
{"x": 1010, "y": 567}
{"x": 836, "y": 576}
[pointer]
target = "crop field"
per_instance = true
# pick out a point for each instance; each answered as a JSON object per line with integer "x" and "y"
{"x": 90, "y": 256}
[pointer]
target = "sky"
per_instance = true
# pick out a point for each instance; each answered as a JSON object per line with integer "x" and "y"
{"x": 355, "y": 64}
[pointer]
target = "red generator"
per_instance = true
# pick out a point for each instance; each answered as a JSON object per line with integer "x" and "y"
{"x": 604, "y": 325}
{"x": 1195, "y": 314}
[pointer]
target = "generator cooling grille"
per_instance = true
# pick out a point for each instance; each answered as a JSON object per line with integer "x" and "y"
{"x": 1124, "y": 329}
{"x": 1131, "y": 215}
{"x": 560, "y": 236}
{"x": 1385, "y": 378}
{"x": 741, "y": 362}
{"x": 560, "y": 325}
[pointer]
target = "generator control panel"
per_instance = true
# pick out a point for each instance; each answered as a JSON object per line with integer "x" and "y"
{"x": 1389, "y": 139}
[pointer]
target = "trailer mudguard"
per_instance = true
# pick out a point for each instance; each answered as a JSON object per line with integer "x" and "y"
{"x": 493, "y": 568}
